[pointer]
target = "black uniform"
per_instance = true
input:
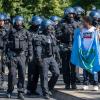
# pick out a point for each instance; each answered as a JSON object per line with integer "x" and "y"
{"x": 48, "y": 63}
{"x": 66, "y": 39}
{"x": 55, "y": 36}
{"x": 33, "y": 66}
{"x": 19, "y": 46}
{"x": 3, "y": 42}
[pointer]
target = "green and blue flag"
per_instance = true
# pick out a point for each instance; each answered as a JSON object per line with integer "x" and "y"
{"x": 88, "y": 59}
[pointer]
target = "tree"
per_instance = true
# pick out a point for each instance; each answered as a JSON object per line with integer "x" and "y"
{"x": 1, "y": 6}
{"x": 54, "y": 8}
{"x": 45, "y": 8}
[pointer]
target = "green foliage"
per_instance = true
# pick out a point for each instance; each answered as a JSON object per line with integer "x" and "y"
{"x": 45, "y": 8}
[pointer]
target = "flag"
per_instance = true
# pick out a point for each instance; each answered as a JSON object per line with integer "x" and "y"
{"x": 88, "y": 59}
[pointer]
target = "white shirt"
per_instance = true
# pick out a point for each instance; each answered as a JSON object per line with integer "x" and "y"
{"x": 87, "y": 36}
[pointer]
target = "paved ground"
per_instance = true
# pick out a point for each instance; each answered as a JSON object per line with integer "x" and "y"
{"x": 62, "y": 94}
{"x": 14, "y": 96}
{"x": 79, "y": 93}
{"x": 32, "y": 98}
{"x": 25, "y": 99}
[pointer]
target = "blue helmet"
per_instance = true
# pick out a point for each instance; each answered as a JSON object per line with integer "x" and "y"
{"x": 55, "y": 18}
{"x": 2, "y": 17}
{"x": 45, "y": 23}
{"x": 95, "y": 14}
{"x": 36, "y": 20}
{"x": 79, "y": 10}
{"x": 18, "y": 18}
{"x": 69, "y": 11}
{"x": 6, "y": 16}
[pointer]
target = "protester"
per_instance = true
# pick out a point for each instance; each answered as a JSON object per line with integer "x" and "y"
{"x": 86, "y": 41}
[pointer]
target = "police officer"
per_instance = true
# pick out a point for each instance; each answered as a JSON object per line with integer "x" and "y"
{"x": 95, "y": 15}
{"x": 33, "y": 66}
{"x": 48, "y": 61}
{"x": 56, "y": 21}
{"x": 55, "y": 25}
{"x": 68, "y": 25}
{"x": 19, "y": 47}
{"x": 7, "y": 21}
{"x": 3, "y": 41}
{"x": 79, "y": 13}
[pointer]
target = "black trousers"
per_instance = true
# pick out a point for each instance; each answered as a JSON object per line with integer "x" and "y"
{"x": 87, "y": 78}
{"x": 68, "y": 70}
{"x": 49, "y": 64}
{"x": 2, "y": 68}
{"x": 17, "y": 63}
{"x": 33, "y": 76}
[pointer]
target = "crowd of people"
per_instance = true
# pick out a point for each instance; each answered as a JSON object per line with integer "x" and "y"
{"x": 45, "y": 46}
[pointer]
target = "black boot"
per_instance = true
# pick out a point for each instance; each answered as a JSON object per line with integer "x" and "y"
{"x": 67, "y": 87}
{"x": 21, "y": 96}
{"x": 46, "y": 96}
{"x": 33, "y": 93}
{"x": 1, "y": 86}
{"x": 74, "y": 87}
{"x": 9, "y": 95}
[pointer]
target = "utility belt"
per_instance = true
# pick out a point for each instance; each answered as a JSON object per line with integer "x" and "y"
{"x": 15, "y": 53}
{"x": 11, "y": 55}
